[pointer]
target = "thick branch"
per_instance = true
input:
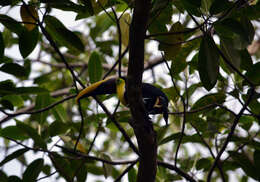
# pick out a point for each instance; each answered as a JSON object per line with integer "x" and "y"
{"x": 143, "y": 129}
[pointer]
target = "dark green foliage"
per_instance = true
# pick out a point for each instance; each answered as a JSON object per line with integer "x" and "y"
{"x": 208, "y": 62}
{"x": 211, "y": 74}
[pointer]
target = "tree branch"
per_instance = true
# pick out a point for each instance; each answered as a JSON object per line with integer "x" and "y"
{"x": 177, "y": 170}
{"x": 146, "y": 136}
{"x": 232, "y": 130}
{"x": 125, "y": 171}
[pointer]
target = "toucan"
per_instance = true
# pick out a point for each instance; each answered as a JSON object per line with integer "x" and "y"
{"x": 155, "y": 101}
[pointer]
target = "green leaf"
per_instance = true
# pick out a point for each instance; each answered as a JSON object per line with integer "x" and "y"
{"x": 16, "y": 100}
{"x": 192, "y": 6}
{"x": 219, "y": 6}
{"x": 246, "y": 122}
{"x": 252, "y": 11}
{"x": 178, "y": 6}
{"x": 200, "y": 124}
{"x": 57, "y": 128}
{"x": 62, "y": 35}
{"x": 204, "y": 163}
{"x": 253, "y": 74}
{"x": 161, "y": 132}
{"x": 7, "y": 104}
{"x": 239, "y": 32}
{"x": 254, "y": 105}
{"x": 106, "y": 46}
{"x": 186, "y": 138}
{"x": 171, "y": 44}
{"x": 107, "y": 167}
{"x": 208, "y": 63}
{"x": 169, "y": 138}
{"x": 132, "y": 175}
{"x": 171, "y": 93}
{"x": 14, "y": 155}
{"x": 249, "y": 30}
{"x": 158, "y": 5}
{"x": 66, "y": 5}
{"x": 27, "y": 65}
{"x": 81, "y": 174}
{"x": 179, "y": 63}
{"x": 32, "y": 133}
{"x": 216, "y": 98}
{"x": 97, "y": 6}
{"x": 6, "y": 86}
{"x": 33, "y": 170}
{"x": 29, "y": 16}
{"x": 191, "y": 90}
{"x": 257, "y": 159}
{"x": 228, "y": 27}
{"x": 30, "y": 90}
{"x": 246, "y": 60}
{"x": 103, "y": 22}
{"x": 6, "y": 2}
{"x": 95, "y": 67}
{"x": 124, "y": 22}
{"x": 28, "y": 41}
{"x": 160, "y": 19}
{"x": 62, "y": 165}
{"x": 3, "y": 177}
{"x": 89, "y": 10}
{"x": 11, "y": 24}
{"x": 2, "y": 46}
{"x": 60, "y": 114}
{"x": 14, "y": 69}
{"x": 245, "y": 163}
{"x": 13, "y": 132}
{"x": 14, "y": 179}
{"x": 96, "y": 170}
{"x": 42, "y": 101}
{"x": 232, "y": 54}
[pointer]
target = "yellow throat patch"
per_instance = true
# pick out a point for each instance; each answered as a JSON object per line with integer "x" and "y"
{"x": 120, "y": 90}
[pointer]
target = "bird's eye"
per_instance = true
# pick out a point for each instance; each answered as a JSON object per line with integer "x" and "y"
{"x": 119, "y": 81}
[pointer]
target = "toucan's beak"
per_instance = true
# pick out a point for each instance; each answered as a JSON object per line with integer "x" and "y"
{"x": 107, "y": 86}
{"x": 165, "y": 115}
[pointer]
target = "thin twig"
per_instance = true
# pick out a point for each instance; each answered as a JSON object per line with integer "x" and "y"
{"x": 222, "y": 54}
{"x": 88, "y": 157}
{"x": 47, "y": 176}
{"x": 177, "y": 170}
{"x": 118, "y": 60}
{"x": 81, "y": 125}
{"x": 121, "y": 129}
{"x": 63, "y": 59}
{"x": 204, "y": 108}
{"x": 177, "y": 43}
{"x": 119, "y": 40}
{"x": 211, "y": 152}
{"x": 230, "y": 134}
{"x": 103, "y": 8}
{"x": 42, "y": 109}
{"x": 125, "y": 171}
{"x": 184, "y": 113}
{"x": 174, "y": 33}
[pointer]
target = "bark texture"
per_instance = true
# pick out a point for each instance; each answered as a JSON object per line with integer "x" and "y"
{"x": 146, "y": 136}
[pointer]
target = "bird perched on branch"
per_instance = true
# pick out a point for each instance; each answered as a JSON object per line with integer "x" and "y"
{"x": 155, "y": 101}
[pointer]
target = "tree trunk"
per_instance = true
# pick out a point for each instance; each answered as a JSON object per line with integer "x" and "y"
{"x": 146, "y": 136}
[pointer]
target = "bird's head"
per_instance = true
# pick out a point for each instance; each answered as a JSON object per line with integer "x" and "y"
{"x": 120, "y": 90}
